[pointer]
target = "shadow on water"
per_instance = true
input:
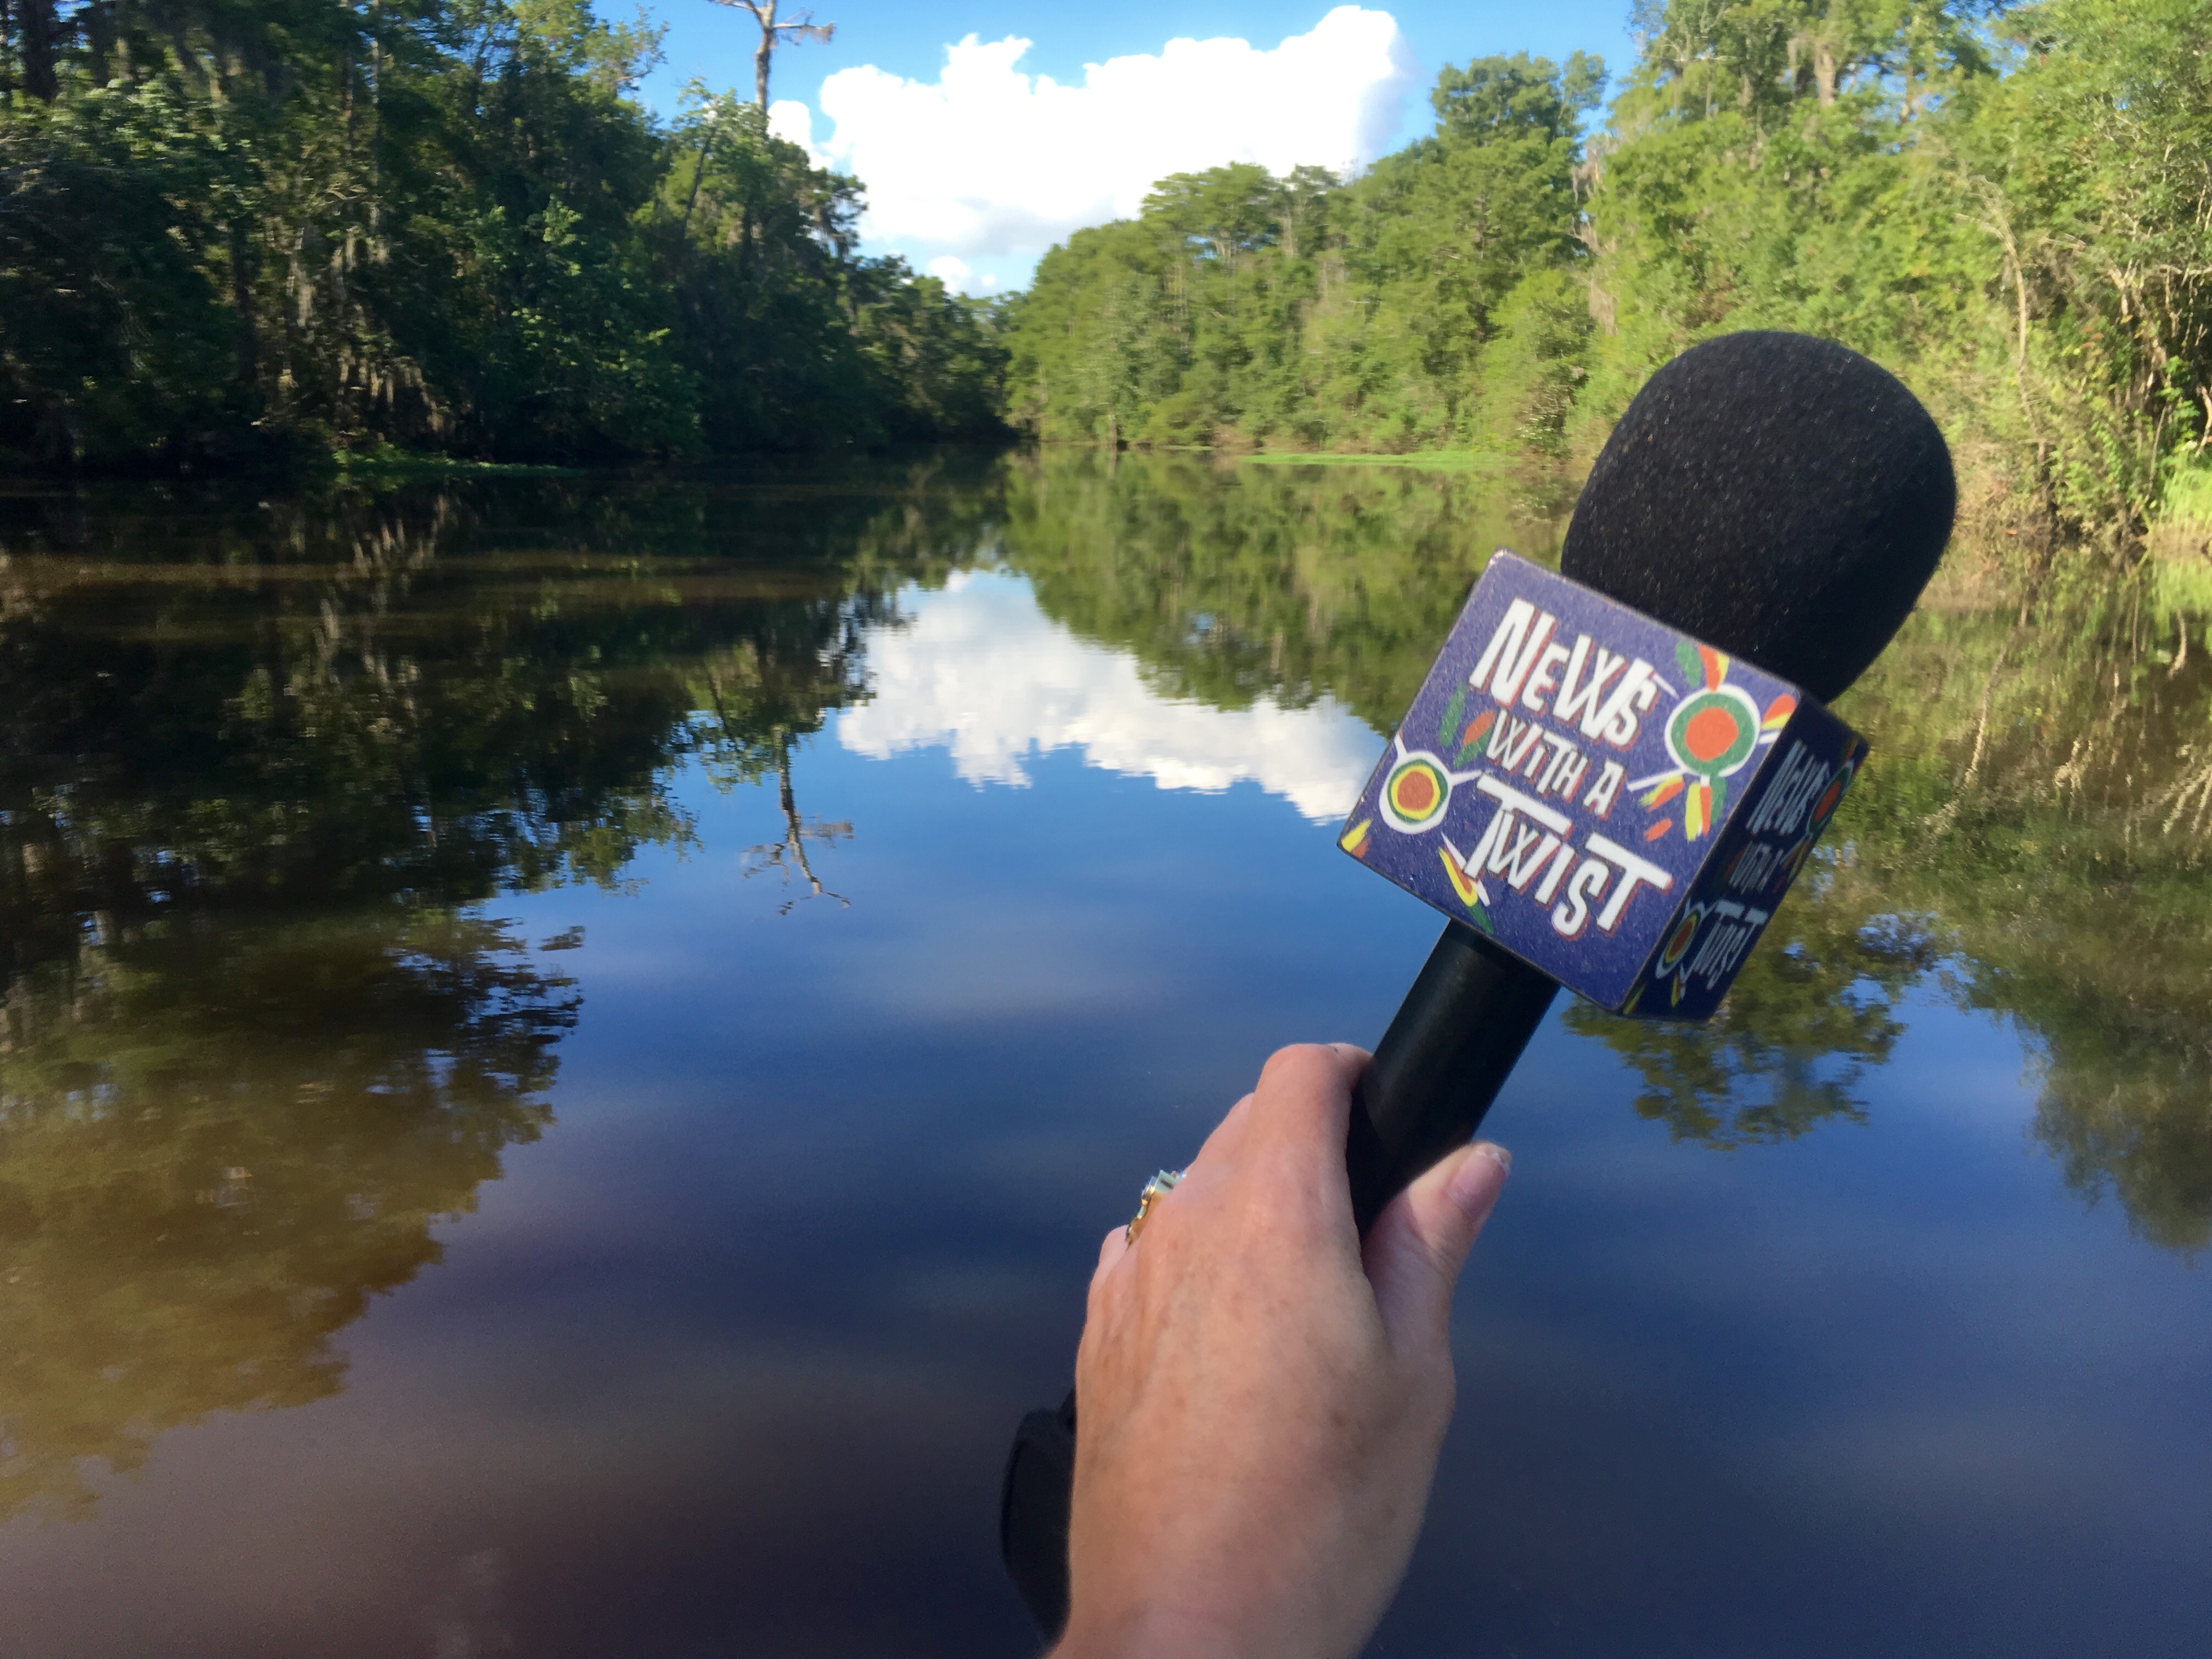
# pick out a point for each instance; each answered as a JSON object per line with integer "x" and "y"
{"x": 264, "y": 767}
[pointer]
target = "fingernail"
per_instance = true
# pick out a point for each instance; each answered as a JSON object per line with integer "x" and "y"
{"x": 1475, "y": 1185}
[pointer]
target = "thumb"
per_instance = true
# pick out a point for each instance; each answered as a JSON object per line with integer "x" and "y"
{"x": 1412, "y": 1253}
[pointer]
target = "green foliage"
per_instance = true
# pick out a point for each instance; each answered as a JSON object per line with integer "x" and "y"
{"x": 1437, "y": 237}
{"x": 2015, "y": 219}
{"x": 2011, "y": 207}
{"x": 2189, "y": 496}
{"x": 110, "y": 335}
{"x": 233, "y": 231}
{"x": 1298, "y": 312}
{"x": 796, "y": 343}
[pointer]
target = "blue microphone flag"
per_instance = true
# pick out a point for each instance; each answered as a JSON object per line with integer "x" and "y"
{"x": 1620, "y": 806}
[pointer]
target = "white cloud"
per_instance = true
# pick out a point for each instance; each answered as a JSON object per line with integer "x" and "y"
{"x": 789, "y": 120}
{"x": 980, "y": 670}
{"x": 957, "y": 274}
{"x": 990, "y": 160}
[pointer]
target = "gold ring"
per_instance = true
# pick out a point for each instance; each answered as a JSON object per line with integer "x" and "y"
{"x": 1155, "y": 1189}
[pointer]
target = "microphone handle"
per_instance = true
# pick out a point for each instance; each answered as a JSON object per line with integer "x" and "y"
{"x": 1450, "y": 1049}
{"x": 1452, "y": 1044}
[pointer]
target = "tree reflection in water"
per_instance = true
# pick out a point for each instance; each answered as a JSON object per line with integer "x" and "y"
{"x": 260, "y": 769}
{"x": 218, "y": 1141}
{"x": 2021, "y": 844}
{"x": 2020, "y": 826}
{"x": 2029, "y": 839}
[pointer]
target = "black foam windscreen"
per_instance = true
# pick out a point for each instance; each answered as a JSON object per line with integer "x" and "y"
{"x": 1779, "y": 497}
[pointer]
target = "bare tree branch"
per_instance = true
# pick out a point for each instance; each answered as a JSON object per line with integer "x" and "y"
{"x": 801, "y": 27}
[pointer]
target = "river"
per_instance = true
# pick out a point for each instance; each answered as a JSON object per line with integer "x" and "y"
{"x": 568, "y": 1042}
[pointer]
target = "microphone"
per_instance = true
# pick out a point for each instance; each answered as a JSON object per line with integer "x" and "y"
{"x": 1611, "y": 775}
{"x": 1769, "y": 498}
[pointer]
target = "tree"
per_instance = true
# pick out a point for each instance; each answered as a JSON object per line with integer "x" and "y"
{"x": 774, "y": 34}
{"x": 1304, "y": 312}
{"x": 235, "y": 234}
{"x": 2009, "y": 205}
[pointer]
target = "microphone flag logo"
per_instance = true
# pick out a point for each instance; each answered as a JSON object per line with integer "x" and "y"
{"x": 1616, "y": 803}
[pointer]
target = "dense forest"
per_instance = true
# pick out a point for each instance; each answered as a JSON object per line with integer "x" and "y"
{"x": 2011, "y": 207}
{"x": 235, "y": 231}
{"x": 243, "y": 229}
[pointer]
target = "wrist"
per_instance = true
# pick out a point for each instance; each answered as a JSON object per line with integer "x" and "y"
{"x": 1154, "y": 1634}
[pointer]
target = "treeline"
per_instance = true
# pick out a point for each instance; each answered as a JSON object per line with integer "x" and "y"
{"x": 2009, "y": 206}
{"x": 243, "y": 228}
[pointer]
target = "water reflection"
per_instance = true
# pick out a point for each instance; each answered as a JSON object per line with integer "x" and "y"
{"x": 978, "y": 670}
{"x": 2030, "y": 839}
{"x": 2041, "y": 805}
{"x": 218, "y": 1140}
{"x": 2025, "y": 843}
{"x": 268, "y": 770}
{"x": 260, "y": 768}
{"x": 1232, "y": 584}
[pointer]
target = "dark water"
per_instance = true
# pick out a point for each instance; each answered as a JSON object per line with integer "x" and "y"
{"x": 567, "y": 1046}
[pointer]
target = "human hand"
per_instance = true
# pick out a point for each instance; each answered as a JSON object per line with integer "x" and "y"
{"x": 1263, "y": 1395}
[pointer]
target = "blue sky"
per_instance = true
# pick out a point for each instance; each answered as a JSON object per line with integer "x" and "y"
{"x": 943, "y": 159}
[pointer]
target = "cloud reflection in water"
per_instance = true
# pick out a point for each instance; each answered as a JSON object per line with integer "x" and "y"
{"x": 977, "y": 669}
